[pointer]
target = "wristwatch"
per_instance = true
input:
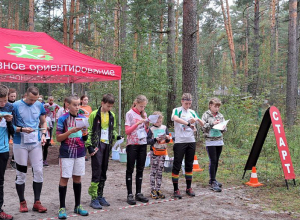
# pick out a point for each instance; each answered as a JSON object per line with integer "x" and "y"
{"x": 189, "y": 124}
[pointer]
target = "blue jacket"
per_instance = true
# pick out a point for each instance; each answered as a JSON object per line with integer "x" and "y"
{"x": 6, "y": 129}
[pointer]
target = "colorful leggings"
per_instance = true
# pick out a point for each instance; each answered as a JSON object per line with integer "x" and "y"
{"x": 157, "y": 165}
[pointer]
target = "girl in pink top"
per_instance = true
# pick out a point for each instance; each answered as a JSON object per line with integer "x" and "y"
{"x": 136, "y": 125}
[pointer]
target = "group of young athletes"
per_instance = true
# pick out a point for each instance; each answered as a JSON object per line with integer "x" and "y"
{"x": 30, "y": 122}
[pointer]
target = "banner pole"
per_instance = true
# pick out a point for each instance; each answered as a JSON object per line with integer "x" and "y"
{"x": 120, "y": 107}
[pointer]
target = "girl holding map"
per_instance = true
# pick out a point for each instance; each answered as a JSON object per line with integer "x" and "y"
{"x": 213, "y": 139}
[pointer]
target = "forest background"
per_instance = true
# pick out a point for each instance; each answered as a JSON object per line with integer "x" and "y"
{"x": 246, "y": 54}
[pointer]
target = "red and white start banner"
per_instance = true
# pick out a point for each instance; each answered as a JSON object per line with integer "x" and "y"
{"x": 282, "y": 144}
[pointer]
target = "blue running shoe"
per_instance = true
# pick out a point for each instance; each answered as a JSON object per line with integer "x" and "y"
{"x": 79, "y": 210}
{"x": 103, "y": 201}
{"x": 62, "y": 213}
{"x": 95, "y": 204}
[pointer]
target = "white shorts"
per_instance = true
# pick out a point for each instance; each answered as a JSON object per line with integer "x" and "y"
{"x": 72, "y": 166}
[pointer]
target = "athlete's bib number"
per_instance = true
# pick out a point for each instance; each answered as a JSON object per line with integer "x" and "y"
{"x": 31, "y": 137}
{"x": 76, "y": 134}
{"x": 3, "y": 123}
{"x": 215, "y": 133}
{"x": 104, "y": 134}
{"x": 141, "y": 133}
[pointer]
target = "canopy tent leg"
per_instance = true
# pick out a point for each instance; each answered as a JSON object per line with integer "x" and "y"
{"x": 119, "y": 107}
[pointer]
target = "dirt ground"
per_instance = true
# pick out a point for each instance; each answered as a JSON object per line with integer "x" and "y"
{"x": 232, "y": 203}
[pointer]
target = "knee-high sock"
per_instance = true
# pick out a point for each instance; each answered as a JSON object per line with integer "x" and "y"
{"x": 62, "y": 196}
{"x": 175, "y": 178}
{"x": 20, "y": 190}
{"x": 77, "y": 193}
{"x": 37, "y": 189}
{"x": 188, "y": 179}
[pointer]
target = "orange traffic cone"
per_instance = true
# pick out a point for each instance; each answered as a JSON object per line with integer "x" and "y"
{"x": 171, "y": 139}
{"x": 253, "y": 179}
{"x": 11, "y": 141}
{"x": 52, "y": 142}
{"x": 196, "y": 167}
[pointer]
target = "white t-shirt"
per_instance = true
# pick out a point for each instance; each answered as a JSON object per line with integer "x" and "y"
{"x": 134, "y": 138}
{"x": 183, "y": 133}
{"x": 60, "y": 112}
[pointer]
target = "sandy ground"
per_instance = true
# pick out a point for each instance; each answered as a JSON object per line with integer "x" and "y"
{"x": 232, "y": 203}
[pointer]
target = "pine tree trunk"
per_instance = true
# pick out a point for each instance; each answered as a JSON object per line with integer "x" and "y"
{"x": 246, "y": 68}
{"x": 123, "y": 22}
{"x": 71, "y": 24}
{"x": 135, "y": 45}
{"x": 65, "y": 36}
{"x": 9, "y": 15}
{"x": 17, "y": 14}
{"x": 256, "y": 51}
{"x": 161, "y": 28}
{"x": 23, "y": 20}
{"x": 292, "y": 67}
{"x": 1, "y": 17}
{"x": 116, "y": 31}
{"x": 227, "y": 23}
{"x": 177, "y": 29}
{"x": 189, "y": 51}
{"x": 31, "y": 15}
{"x": 77, "y": 23}
{"x": 171, "y": 64}
{"x": 272, "y": 41}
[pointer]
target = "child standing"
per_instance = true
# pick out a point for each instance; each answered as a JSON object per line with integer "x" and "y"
{"x": 47, "y": 144}
{"x": 213, "y": 140}
{"x": 185, "y": 143}
{"x": 136, "y": 124}
{"x": 64, "y": 109}
{"x": 71, "y": 156}
{"x": 101, "y": 134}
{"x": 85, "y": 109}
{"x": 157, "y": 138}
{"x": 6, "y": 129}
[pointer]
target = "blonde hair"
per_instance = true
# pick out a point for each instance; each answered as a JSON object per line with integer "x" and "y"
{"x": 160, "y": 115}
{"x": 214, "y": 101}
{"x": 140, "y": 99}
{"x": 186, "y": 97}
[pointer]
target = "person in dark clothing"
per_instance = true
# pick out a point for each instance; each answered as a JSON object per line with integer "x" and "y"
{"x": 102, "y": 131}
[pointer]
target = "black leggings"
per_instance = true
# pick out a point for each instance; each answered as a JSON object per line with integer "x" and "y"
{"x": 214, "y": 153}
{"x": 3, "y": 161}
{"x": 46, "y": 146}
{"x": 135, "y": 153}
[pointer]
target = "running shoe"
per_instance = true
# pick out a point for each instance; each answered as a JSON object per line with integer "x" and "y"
{"x": 37, "y": 206}
{"x": 62, "y": 213}
{"x": 160, "y": 195}
{"x": 95, "y": 204}
{"x": 103, "y": 201}
{"x": 177, "y": 194}
{"x": 45, "y": 164}
{"x": 23, "y": 206}
{"x": 215, "y": 187}
{"x": 140, "y": 197}
{"x": 79, "y": 210}
{"x": 219, "y": 184}
{"x": 190, "y": 192}
{"x": 5, "y": 216}
{"x": 153, "y": 194}
{"x": 130, "y": 200}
